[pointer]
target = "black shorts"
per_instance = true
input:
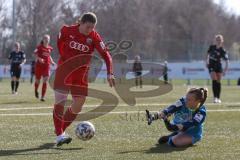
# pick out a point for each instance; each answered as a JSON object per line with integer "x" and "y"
{"x": 32, "y": 71}
{"x": 15, "y": 71}
{"x": 137, "y": 74}
{"x": 215, "y": 68}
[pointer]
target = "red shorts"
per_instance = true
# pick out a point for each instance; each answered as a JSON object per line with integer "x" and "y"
{"x": 75, "y": 83}
{"x": 42, "y": 71}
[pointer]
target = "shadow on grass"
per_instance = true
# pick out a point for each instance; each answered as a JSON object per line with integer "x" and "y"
{"x": 46, "y": 146}
{"x": 165, "y": 148}
{"x": 158, "y": 148}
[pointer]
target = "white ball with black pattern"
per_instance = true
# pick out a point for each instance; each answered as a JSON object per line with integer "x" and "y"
{"x": 85, "y": 130}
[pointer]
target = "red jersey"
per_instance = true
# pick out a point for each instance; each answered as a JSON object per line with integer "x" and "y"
{"x": 44, "y": 53}
{"x": 72, "y": 43}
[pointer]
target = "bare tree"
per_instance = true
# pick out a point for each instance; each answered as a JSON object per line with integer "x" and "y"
{"x": 159, "y": 29}
{"x": 36, "y": 18}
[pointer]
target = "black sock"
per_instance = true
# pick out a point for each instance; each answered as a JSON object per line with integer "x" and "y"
{"x": 16, "y": 87}
{"x": 136, "y": 82}
{"x": 141, "y": 82}
{"x": 214, "y": 88}
{"x": 218, "y": 89}
{"x": 31, "y": 79}
{"x": 12, "y": 85}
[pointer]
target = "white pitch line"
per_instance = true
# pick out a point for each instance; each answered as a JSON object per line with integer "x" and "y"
{"x": 121, "y": 105}
{"x": 28, "y": 114}
{"x": 126, "y": 112}
{"x": 25, "y": 108}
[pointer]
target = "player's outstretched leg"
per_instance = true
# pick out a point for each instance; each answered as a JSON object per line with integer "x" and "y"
{"x": 72, "y": 111}
{"x": 68, "y": 118}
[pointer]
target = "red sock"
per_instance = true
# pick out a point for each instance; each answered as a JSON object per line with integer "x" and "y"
{"x": 36, "y": 86}
{"x": 58, "y": 118}
{"x": 44, "y": 89}
{"x": 68, "y": 118}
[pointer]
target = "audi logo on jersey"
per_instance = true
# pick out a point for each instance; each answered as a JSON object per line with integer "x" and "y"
{"x": 78, "y": 46}
{"x": 45, "y": 54}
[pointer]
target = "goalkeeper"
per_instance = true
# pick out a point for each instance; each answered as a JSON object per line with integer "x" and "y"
{"x": 189, "y": 113}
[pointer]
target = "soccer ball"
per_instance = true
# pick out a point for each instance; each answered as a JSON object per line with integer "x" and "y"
{"x": 85, "y": 130}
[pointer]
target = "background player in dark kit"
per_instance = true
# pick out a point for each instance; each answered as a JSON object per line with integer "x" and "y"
{"x": 215, "y": 55}
{"x": 17, "y": 59}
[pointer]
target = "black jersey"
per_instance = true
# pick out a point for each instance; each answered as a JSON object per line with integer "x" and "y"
{"x": 165, "y": 70}
{"x": 137, "y": 66}
{"x": 16, "y": 57}
{"x": 216, "y": 54}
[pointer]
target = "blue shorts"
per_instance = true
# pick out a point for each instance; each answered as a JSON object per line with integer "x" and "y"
{"x": 195, "y": 137}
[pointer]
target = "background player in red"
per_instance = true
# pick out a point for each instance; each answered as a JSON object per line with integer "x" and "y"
{"x": 42, "y": 66}
{"x": 74, "y": 41}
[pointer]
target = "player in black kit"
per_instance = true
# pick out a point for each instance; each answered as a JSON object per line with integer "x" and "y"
{"x": 17, "y": 59}
{"x": 32, "y": 71}
{"x": 216, "y": 53}
{"x": 137, "y": 69}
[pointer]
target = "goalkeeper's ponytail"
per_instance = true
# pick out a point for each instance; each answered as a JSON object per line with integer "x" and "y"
{"x": 200, "y": 94}
{"x": 204, "y": 93}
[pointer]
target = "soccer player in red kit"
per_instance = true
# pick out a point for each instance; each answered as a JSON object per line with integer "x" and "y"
{"x": 74, "y": 41}
{"x": 42, "y": 65}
